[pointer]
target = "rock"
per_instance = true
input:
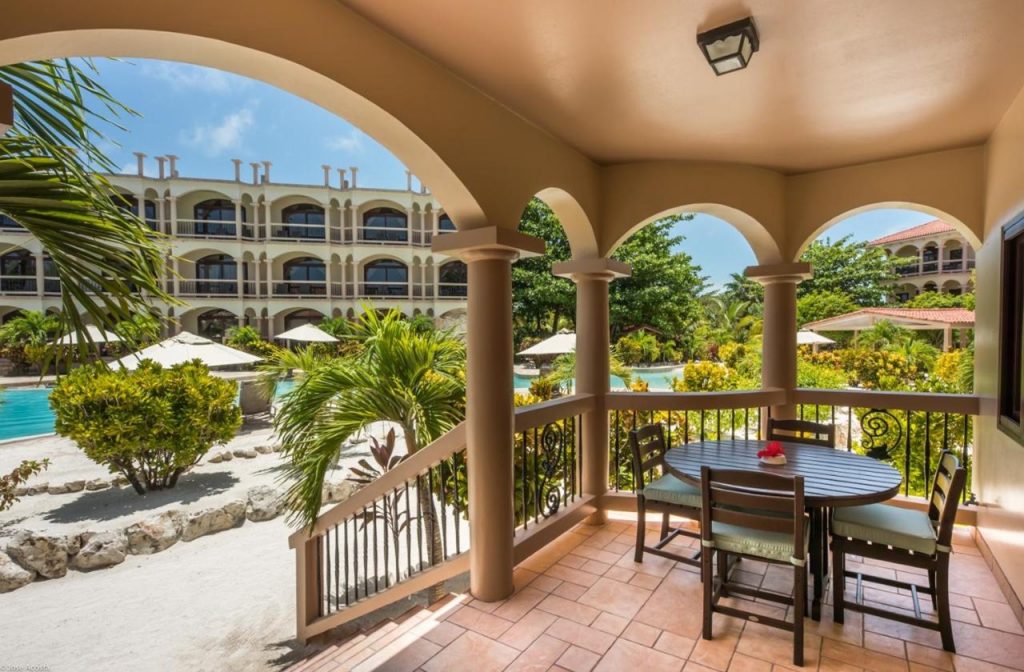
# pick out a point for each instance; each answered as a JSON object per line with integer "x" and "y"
{"x": 58, "y": 489}
{"x": 154, "y": 534}
{"x": 215, "y": 459}
{"x": 75, "y": 486}
{"x": 264, "y": 450}
{"x": 13, "y": 576}
{"x": 43, "y": 554}
{"x": 38, "y": 488}
{"x": 97, "y": 484}
{"x": 277, "y": 448}
{"x": 21, "y": 491}
{"x": 263, "y": 503}
{"x": 226, "y": 456}
{"x": 119, "y": 481}
{"x": 338, "y": 492}
{"x": 99, "y": 550}
{"x": 210, "y": 521}
{"x": 247, "y": 453}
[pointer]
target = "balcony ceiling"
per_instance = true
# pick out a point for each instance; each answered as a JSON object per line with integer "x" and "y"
{"x": 835, "y": 83}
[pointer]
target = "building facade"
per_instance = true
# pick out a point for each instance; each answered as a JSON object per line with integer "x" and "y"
{"x": 269, "y": 255}
{"x": 941, "y": 259}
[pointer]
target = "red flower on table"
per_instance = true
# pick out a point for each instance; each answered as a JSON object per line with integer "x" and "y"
{"x": 773, "y": 449}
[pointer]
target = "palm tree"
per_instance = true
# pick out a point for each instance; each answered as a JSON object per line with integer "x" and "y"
{"x": 410, "y": 378}
{"x": 26, "y": 337}
{"x": 563, "y": 370}
{"x": 105, "y": 257}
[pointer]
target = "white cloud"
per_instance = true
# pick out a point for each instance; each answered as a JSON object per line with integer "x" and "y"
{"x": 351, "y": 142}
{"x": 215, "y": 139}
{"x": 182, "y": 76}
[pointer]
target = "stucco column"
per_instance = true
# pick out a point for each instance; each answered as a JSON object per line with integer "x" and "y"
{"x": 40, "y": 274}
{"x": 778, "y": 344}
{"x": 176, "y": 276}
{"x": 593, "y": 345}
{"x": 490, "y": 416}
{"x": 239, "y": 275}
{"x": 173, "y": 224}
{"x": 238, "y": 218}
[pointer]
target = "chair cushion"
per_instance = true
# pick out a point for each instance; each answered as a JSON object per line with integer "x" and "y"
{"x": 893, "y": 526}
{"x": 672, "y": 490}
{"x": 759, "y": 543}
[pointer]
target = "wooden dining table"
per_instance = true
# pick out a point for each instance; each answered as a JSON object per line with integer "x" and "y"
{"x": 831, "y": 478}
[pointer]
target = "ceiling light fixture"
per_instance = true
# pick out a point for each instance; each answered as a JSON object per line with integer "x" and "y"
{"x": 729, "y": 48}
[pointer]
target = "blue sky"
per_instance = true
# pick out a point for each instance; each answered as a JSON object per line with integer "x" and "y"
{"x": 208, "y": 117}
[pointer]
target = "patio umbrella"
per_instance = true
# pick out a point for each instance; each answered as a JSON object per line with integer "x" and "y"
{"x": 805, "y": 337}
{"x": 184, "y": 348}
{"x": 559, "y": 344}
{"x": 307, "y": 333}
{"x": 96, "y": 335}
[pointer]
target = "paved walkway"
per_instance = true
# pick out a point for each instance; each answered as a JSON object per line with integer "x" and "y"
{"x": 582, "y": 604}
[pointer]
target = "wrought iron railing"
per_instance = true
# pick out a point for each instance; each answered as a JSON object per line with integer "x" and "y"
{"x": 908, "y": 430}
{"x": 285, "y": 231}
{"x": 18, "y": 284}
{"x": 547, "y": 461}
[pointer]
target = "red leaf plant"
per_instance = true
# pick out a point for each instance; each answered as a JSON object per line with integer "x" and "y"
{"x": 773, "y": 449}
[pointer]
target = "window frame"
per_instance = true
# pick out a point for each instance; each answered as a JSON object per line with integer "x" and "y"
{"x": 1011, "y": 329}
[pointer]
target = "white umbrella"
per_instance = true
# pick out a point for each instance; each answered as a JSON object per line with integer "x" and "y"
{"x": 184, "y": 348}
{"x": 805, "y": 337}
{"x": 308, "y": 333}
{"x": 559, "y": 344}
{"x": 96, "y": 335}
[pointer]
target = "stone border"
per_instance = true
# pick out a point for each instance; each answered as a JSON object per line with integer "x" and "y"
{"x": 120, "y": 481}
{"x": 29, "y": 555}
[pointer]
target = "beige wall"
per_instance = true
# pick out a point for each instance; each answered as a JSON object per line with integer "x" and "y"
{"x": 999, "y": 465}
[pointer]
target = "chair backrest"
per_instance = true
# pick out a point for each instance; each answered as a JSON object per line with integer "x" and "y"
{"x": 752, "y": 499}
{"x": 802, "y": 431}
{"x": 950, "y": 478}
{"x": 648, "y": 446}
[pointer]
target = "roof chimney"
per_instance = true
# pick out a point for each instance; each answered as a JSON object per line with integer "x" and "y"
{"x": 327, "y": 175}
{"x": 354, "y": 170}
{"x": 238, "y": 169}
{"x": 160, "y": 162}
{"x": 341, "y": 177}
{"x": 173, "y": 160}
{"x": 140, "y": 160}
{"x": 255, "y": 172}
{"x": 266, "y": 172}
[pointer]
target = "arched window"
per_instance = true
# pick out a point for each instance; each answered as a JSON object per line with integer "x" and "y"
{"x": 216, "y": 217}
{"x": 51, "y": 283}
{"x": 18, "y": 272}
{"x": 386, "y": 277}
{"x": 303, "y": 220}
{"x": 385, "y": 225}
{"x": 451, "y": 279}
{"x": 445, "y": 223}
{"x": 8, "y": 223}
{"x": 301, "y": 317}
{"x": 217, "y": 274}
{"x": 213, "y": 324}
{"x": 305, "y": 276}
{"x": 930, "y": 259}
{"x": 131, "y": 203}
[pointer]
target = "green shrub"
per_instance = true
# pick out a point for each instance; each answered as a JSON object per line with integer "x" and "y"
{"x": 703, "y": 377}
{"x": 248, "y": 339}
{"x": 150, "y": 425}
{"x": 543, "y": 388}
{"x": 638, "y": 347}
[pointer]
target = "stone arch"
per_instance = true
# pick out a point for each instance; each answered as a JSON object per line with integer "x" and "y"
{"x": 972, "y": 239}
{"x": 577, "y": 225}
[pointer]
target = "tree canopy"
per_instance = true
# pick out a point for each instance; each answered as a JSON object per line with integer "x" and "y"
{"x": 865, "y": 274}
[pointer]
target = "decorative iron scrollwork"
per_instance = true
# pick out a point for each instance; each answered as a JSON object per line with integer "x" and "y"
{"x": 549, "y": 462}
{"x": 881, "y": 433}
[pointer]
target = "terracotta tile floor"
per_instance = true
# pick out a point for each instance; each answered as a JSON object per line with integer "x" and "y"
{"x": 582, "y": 604}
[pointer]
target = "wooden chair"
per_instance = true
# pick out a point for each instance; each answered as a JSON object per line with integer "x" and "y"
{"x": 750, "y": 514}
{"x": 906, "y": 537}
{"x": 802, "y": 431}
{"x": 660, "y": 492}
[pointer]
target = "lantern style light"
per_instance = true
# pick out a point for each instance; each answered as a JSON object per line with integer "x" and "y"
{"x": 728, "y": 48}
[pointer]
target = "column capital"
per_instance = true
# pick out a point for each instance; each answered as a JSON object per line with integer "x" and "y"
{"x": 772, "y": 274}
{"x": 490, "y": 242}
{"x": 595, "y": 268}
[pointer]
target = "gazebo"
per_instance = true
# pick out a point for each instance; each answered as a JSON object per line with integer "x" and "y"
{"x": 918, "y": 319}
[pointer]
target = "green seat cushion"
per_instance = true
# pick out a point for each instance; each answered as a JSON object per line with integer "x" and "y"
{"x": 671, "y": 490}
{"x": 758, "y": 543}
{"x": 907, "y": 529}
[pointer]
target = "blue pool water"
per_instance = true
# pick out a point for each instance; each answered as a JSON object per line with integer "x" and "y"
{"x": 657, "y": 379}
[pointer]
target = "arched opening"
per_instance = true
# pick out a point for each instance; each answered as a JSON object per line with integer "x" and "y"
{"x": 302, "y": 221}
{"x": 445, "y": 223}
{"x": 303, "y": 276}
{"x": 385, "y": 277}
{"x": 18, "y": 272}
{"x": 217, "y": 274}
{"x": 384, "y": 225}
{"x": 302, "y": 316}
{"x": 147, "y": 212}
{"x": 215, "y": 217}
{"x": 452, "y": 280}
{"x": 213, "y": 324}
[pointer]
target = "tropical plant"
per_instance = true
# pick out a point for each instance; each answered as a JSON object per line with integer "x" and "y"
{"x": 49, "y": 184}
{"x": 248, "y": 339}
{"x": 702, "y": 377}
{"x": 9, "y": 483}
{"x": 388, "y": 509}
{"x": 414, "y": 380}
{"x": 563, "y": 371}
{"x": 151, "y": 424}
{"x": 733, "y": 319}
{"x": 864, "y": 274}
{"x": 637, "y": 347}
{"x": 820, "y": 305}
{"x": 26, "y": 338}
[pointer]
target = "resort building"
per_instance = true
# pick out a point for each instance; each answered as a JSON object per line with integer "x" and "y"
{"x": 940, "y": 259}
{"x": 269, "y": 255}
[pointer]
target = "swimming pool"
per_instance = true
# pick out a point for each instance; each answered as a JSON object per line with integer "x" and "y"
{"x": 658, "y": 378}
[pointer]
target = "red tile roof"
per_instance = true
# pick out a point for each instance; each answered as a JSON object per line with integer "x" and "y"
{"x": 934, "y": 227}
{"x": 944, "y": 315}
